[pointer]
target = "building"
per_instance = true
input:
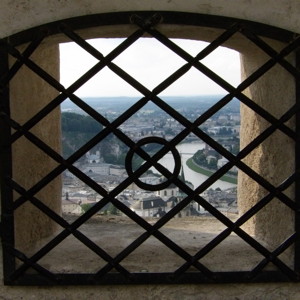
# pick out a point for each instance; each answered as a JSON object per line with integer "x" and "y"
{"x": 170, "y": 191}
{"x": 93, "y": 158}
{"x": 71, "y": 207}
{"x": 149, "y": 207}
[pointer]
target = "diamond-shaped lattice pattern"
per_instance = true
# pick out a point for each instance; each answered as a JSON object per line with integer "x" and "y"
{"x": 134, "y": 258}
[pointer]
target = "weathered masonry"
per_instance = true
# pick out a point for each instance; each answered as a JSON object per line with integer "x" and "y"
{"x": 30, "y": 145}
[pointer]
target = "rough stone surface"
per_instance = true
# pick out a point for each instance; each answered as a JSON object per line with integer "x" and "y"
{"x": 29, "y": 94}
{"x": 274, "y": 158}
{"x": 19, "y": 15}
{"x": 184, "y": 227}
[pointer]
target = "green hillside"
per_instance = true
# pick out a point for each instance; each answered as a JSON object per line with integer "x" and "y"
{"x": 77, "y": 130}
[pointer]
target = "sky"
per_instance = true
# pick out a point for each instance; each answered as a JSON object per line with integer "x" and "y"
{"x": 150, "y": 62}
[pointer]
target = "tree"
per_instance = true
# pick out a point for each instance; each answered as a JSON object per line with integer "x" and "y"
{"x": 77, "y": 129}
{"x": 213, "y": 163}
{"x": 200, "y": 158}
{"x": 85, "y": 207}
{"x": 79, "y": 123}
{"x": 112, "y": 210}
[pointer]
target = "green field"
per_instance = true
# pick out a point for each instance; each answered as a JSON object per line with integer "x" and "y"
{"x": 208, "y": 173}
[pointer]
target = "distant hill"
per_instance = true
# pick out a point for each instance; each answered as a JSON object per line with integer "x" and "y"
{"x": 123, "y": 103}
{"x": 76, "y": 130}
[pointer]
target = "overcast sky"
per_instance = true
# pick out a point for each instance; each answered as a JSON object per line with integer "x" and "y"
{"x": 150, "y": 62}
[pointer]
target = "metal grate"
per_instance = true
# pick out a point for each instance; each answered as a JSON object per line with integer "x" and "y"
{"x": 145, "y": 23}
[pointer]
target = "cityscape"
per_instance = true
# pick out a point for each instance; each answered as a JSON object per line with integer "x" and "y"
{"x": 105, "y": 163}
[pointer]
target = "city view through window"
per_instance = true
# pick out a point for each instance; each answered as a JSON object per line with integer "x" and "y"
{"x": 191, "y": 96}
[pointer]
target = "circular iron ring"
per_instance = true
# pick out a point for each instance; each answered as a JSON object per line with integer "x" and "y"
{"x": 146, "y": 186}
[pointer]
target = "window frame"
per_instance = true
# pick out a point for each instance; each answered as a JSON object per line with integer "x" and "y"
{"x": 7, "y": 219}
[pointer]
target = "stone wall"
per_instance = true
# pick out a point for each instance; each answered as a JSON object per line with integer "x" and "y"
{"x": 274, "y": 92}
{"x": 29, "y": 94}
{"x": 19, "y": 15}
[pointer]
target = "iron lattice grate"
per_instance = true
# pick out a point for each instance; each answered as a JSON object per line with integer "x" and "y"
{"x": 145, "y": 23}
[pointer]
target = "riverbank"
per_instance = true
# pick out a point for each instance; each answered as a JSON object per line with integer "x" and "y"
{"x": 193, "y": 166}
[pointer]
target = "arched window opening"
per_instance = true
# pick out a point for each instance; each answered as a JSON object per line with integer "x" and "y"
{"x": 150, "y": 63}
{"x": 97, "y": 184}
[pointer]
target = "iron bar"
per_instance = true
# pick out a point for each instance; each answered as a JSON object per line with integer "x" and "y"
{"x": 7, "y": 215}
{"x": 297, "y": 172}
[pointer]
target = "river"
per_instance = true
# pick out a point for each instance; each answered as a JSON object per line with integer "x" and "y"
{"x": 187, "y": 150}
